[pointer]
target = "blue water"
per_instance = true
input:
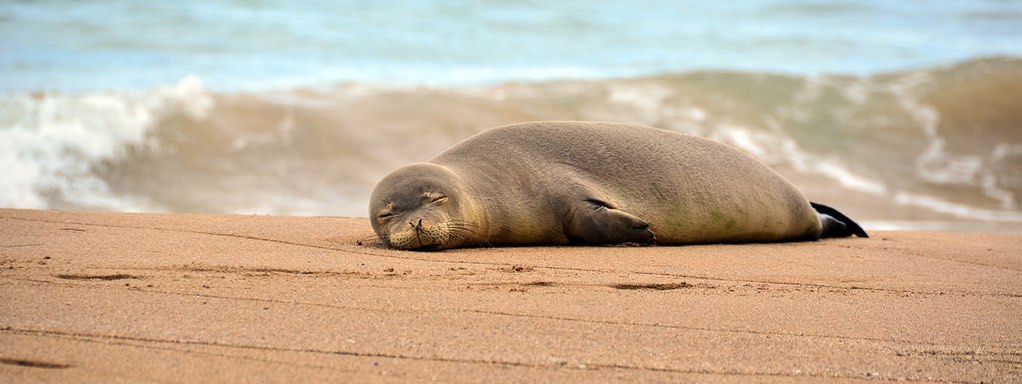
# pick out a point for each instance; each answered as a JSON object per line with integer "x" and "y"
{"x": 258, "y": 44}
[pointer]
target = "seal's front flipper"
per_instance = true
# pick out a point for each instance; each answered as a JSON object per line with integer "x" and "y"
{"x": 595, "y": 222}
{"x": 836, "y": 224}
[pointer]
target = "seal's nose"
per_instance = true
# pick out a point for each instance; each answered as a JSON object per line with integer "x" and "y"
{"x": 416, "y": 227}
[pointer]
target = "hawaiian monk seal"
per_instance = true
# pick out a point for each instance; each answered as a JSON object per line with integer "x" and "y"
{"x": 593, "y": 183}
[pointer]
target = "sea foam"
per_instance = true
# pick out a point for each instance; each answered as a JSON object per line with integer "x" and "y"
{"x": 50, "y": 143}
{"x": 936, "y": 144}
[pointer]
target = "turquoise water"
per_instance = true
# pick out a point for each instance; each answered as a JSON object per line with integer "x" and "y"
{"x": 231, "y": 45}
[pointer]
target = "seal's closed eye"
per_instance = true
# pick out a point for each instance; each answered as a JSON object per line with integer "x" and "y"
{"x": 598, "y": 204}
{"x": 384, "y": 216}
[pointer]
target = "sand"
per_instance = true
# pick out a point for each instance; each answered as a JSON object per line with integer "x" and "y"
{"x": 119, "y": 297}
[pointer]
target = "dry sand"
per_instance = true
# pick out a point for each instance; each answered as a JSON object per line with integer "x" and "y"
{"x": 115, "y": 297}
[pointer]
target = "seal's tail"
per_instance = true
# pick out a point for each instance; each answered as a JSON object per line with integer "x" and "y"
{"x": 836, "y": 224}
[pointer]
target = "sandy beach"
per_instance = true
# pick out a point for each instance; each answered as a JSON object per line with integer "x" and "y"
{"x": 119, "y": 297}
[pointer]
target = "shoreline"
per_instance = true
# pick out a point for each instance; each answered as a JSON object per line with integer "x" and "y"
{"x": 941, "y": 226}
{"x": 101, "y": 297}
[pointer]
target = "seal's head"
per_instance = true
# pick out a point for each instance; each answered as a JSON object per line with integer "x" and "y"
{"x": 422, "y": 206}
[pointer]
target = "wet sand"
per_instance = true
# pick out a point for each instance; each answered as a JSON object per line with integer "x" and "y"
{"x": 118, "y": 297}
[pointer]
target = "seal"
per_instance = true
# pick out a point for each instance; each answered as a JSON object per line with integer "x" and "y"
{"x": 593, "y": 183}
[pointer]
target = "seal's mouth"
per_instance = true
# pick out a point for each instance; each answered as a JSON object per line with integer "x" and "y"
{"x": 421, "y": 248}
{"x": 427, "y": 248}
{"x": 429, "y": 235}
{"x": 420, "y": 236}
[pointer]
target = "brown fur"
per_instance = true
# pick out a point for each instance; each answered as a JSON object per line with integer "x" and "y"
{"x": 530, "y": 183}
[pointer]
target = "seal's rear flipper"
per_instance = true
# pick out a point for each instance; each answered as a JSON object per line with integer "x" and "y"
{"x": 836, "y": 224}
{"x": 595, "y": 222}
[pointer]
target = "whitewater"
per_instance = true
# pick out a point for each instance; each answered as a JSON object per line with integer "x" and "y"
{"x": 904, "y": 116}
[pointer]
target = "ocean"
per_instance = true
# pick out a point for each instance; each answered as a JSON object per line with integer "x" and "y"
{"x": 902, "y": 114}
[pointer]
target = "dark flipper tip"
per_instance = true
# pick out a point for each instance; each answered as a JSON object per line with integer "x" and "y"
{"x": 843, "y": 226}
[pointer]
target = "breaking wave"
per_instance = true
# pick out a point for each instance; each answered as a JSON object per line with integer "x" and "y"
{"x": 934, "y": 144}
